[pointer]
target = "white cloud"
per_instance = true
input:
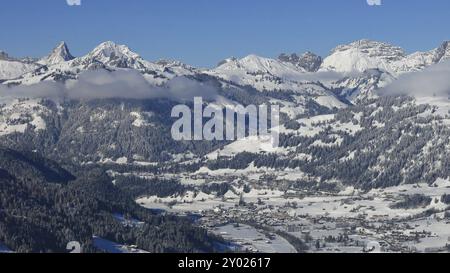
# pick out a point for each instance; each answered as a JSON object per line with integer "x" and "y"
{"x": 101, "y": 84}
{"x": 432, "y": 81}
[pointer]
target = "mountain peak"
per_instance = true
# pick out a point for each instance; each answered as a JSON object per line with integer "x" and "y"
{"x": 254, "y": 64}
{"x": 113, "y": 55}
{"x": 110, "y": 49}
{"x": 362, "y": 55}
{"x": 308, "y": 61}
{"x": 62, "y": 44}
{"x": 58, "y": 55}
{"x": 446, "y": 44}
{"x": 442, "y": 52}
{"x": 249, "y": 62}
{"x": 108, "y": 45}
{"x": 372, "y": 48}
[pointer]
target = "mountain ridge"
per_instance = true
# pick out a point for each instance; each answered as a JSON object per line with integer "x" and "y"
{"x": 117, "y": 55}
{"x": 306, "y": 74}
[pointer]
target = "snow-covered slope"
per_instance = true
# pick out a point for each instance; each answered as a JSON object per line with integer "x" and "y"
{"x": 253, "y": 64}
{"x": 420, "y": 60}
{"x": 263, "y": 74}
{"x": 14, "y": 69}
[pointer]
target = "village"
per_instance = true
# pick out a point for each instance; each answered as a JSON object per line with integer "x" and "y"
{"x": 265, "y": 219}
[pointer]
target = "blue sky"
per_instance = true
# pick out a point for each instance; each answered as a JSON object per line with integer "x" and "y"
{"x": 203, "y": 32}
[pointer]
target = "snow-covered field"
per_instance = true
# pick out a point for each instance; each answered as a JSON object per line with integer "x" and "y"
{"x": 254, "y": 240}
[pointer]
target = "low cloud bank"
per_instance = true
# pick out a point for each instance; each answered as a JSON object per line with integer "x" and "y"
{"x": 432, "y": 81}
{"x": 102, "y": 84}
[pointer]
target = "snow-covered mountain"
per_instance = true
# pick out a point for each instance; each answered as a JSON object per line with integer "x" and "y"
{"x": 113, "y": 55}
{"x": 60, "y": 65}
{"x": 258, "y": 72}
{"x": 361, "y": 67}
{"x": 275, "y": 76}
{"x": 363, "y": 55}
{"x": 59, "y": 54}
{"x": 358, "y": 56}
{"x": 253, "y": 64}
{"x": 263, "y": 74}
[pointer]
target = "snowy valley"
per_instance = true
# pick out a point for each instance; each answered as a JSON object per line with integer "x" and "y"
{"x": 360, "y": 160}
